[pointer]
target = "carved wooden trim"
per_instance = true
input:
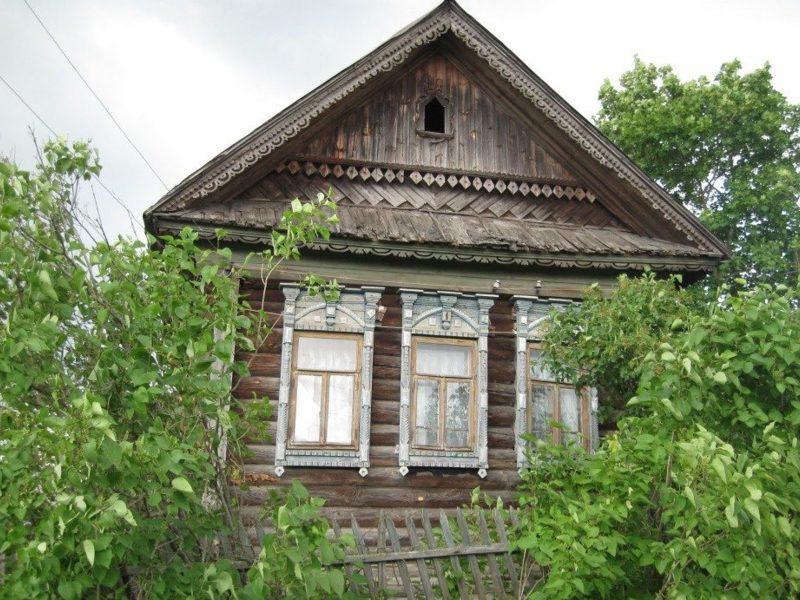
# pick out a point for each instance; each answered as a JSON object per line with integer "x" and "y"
{"x": 353, "y": 312}
{"x": 445, "y": 314}
{"x": 445, "y": 18}
{"x": 511, "y": 185}
{"x": 530, "y": 314}
{"x": 289, "y": 123}
{"x": 341, "y": 246}
{"x": 566, "y": 120}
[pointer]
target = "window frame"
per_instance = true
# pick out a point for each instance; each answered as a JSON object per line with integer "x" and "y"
{"x": 444, "y": 316}
{"x": 422, "y": 103}
{"x": 324, "y": 412}
{"x": 444, "y": 379}
{"x": 352, "y": 314}
{"x": 583, "y": 398}
{"x": 530, "y": 315}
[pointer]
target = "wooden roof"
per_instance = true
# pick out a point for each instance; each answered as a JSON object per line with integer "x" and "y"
{"x": 537, "y": 179}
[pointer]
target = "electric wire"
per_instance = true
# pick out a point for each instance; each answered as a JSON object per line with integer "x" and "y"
{"x": 89, "y": 87}
{"x": 116, "y": 198}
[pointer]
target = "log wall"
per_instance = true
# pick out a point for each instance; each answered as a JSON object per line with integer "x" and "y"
{"x": 344, "y": 490}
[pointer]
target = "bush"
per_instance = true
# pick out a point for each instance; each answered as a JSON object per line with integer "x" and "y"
{"x": 697, "y": 494}
{"x": 115, "y": 367}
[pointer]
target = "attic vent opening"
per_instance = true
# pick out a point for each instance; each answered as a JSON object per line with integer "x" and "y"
{"x": 434, "y": 116}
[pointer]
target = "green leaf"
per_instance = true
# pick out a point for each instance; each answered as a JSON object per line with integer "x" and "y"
{"x": 751, "y": 507}
{"x": 88, "y": 548}
{"x": 730, "y": 513}
{"x": 785, "y": 526}
{"x": 337, "y": 582}
{"x": 719, "y": 469}
{"x": 47, "y": 285}
{"x": 180, "y": 484}
{"x": 283, "y": 518}
{"x": 720, "y": 377}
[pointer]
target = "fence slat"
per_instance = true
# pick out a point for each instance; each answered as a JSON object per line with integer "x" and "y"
{"x": 381, "y": 548}
{"x": 437, "y": 564}
{"x": 450, "y": 541}
{"x": 401, "y": 564}
{"x": 497, "y": 579}
{"x": 473, "y": 561}
{"x": 422, "y": 567}
{"x": 348, "y": 570}
{"x": 362, "y": 548}
{"x": 501, "y": 534}
{"x": 259, "y": 530}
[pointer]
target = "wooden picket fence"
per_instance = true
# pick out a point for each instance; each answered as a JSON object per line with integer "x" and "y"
{"x": 428, "y": 555}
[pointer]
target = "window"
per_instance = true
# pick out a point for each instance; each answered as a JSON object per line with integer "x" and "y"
{"x": 324, "y": 384}
{"x": 325, "y": 395}
{"x": 555, "y": 402}
{"x": 542, "y": 400}
{"x": 434, "y": 116}
{"x": 443, "y": 380}
{"x": 443, "y": 401}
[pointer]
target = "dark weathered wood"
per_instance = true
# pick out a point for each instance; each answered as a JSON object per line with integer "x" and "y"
{"x": 497, "y": 579}
{"x": 371, "y": 133}
{"x": 431, "y": 540}
{"x": 447, "y": 534}
{"x": 422, "y": 567}
{"x": 477, "y": 576}
{"x": 401, "y": 563}
{"x": 499, "y": 523}
{"x": 362, "y": 548}
{"x": 348, "y": 569}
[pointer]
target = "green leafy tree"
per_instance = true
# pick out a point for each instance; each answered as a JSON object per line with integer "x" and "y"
{"x": 115, "y": 367}
{"x": 728, "y": 148}
{"x": 698, "y": 494}
{"x": 600, "y": 342}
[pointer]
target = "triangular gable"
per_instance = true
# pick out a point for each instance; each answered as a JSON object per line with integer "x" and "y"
{"x": 384, "y": 129}
{"x": 651, "y": 200}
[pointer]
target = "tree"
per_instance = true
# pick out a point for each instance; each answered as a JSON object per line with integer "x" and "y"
{"x": 115, "y": 366}
{"x": 639, "y": 314}
{"x": 729, "y": 149}
{"x": 698, "y": 493}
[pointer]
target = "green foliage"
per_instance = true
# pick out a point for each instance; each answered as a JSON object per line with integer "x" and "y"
{"x": 600, "y": 342}
{"x": 295, "y": 560}
{"x": 728, "y": 148}
{"x": 698, "y": 495}
{"x": 115, "y": 367}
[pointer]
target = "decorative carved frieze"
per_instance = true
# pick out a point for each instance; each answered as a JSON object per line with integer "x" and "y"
{"x": 441, "y": 178}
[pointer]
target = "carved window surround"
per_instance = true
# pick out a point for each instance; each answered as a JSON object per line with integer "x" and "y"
{"x": 531, "y": 314}
{"x": 354, "y": 313}
{"x": 445, "y": 315}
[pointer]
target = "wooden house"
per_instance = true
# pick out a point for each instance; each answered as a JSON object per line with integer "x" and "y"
{"x": 472, "y": 200}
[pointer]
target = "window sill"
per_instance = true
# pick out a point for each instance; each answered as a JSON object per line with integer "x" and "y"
{"x": 435, "y": 135}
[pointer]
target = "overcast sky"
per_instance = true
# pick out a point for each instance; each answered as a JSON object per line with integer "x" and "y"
{"x": 187, "y": 79}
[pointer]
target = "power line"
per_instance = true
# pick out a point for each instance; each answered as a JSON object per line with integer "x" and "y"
{"x": 28, "y": 106}
{"x": 51, "y": 130}
{"x": 89, "y": 87}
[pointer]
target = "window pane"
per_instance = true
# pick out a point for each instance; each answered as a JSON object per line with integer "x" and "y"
{"x": 340, "y": 409}
{"x": 538, "y": 370}
{"x": 446, "y": 360}
{"x": 570, "y": 412}
{"x": 542, "y": 397}
{"x": 427, "y": 414}
{"x": 326, "y": 354}
{"x": 457, "y": 423}
{"x": 308, "y": 399}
